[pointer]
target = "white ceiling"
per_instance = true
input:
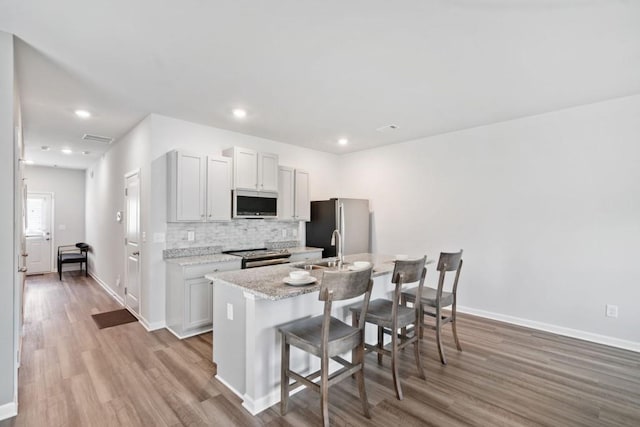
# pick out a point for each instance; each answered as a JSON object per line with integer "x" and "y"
{"x": 309, "y": 72}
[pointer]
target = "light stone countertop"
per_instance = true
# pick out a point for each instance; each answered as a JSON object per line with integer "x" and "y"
{"x": 202, "y": 259}
{"x": 267, "y": 282}
{"x": 220, "y": 257}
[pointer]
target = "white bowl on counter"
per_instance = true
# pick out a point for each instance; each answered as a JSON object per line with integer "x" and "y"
{"x": 360, "y": 265}
{"x": 298, "y": 274}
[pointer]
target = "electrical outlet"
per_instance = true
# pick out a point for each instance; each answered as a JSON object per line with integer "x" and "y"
{"x": 191, "y": 236}
{"x": 229, "y": 311}
{"x": 118, "y": 282}
{"x": 612, "y": 310}
{"x": 294, "y": 232}
{"x": 284, "y": 232}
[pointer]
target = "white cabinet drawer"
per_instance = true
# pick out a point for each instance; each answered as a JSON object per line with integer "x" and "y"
{"x": 197, "y": 271}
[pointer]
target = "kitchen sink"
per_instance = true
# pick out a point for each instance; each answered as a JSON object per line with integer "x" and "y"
{"x": 320, "y": 265}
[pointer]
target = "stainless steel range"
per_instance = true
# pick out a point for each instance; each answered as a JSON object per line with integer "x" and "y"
{"x": 260, "y": 257}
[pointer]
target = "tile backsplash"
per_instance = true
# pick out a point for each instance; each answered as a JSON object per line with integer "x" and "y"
{"x": 236, "y": 234}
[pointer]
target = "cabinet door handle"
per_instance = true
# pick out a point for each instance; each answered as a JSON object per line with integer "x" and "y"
{"x": 22, "y": 270}
{"x": 136, "y": 253}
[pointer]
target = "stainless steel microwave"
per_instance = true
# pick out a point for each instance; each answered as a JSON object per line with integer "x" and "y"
{"x": 255, "y": 204}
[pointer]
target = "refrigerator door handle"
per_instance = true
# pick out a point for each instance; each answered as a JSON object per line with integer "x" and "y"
{"x": 342, "y": 224}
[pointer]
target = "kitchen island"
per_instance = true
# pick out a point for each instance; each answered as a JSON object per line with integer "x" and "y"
{"x": 250, "y": 305}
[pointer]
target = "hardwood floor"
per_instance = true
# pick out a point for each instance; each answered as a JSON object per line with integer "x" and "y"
{"x": 73, "y": 374}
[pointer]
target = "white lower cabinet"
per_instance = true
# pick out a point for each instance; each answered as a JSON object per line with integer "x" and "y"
{"x": 190, "y": 296}
{"x": 198, "y": 311}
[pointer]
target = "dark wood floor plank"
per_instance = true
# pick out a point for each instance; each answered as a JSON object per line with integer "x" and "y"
{"x": 73, "y": 374}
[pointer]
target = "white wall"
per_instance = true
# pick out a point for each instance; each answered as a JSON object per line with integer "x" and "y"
{"x": 8, "y": 256}
{"x": 67, "y": 186}
{"x": 546, "y": 208}
{"x": 145, "y": 147}
{"x": 105, "y": 196}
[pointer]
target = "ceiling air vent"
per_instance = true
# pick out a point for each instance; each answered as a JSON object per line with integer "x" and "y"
{"x": 388, "y": 128}
{"x": 97, "y": 138}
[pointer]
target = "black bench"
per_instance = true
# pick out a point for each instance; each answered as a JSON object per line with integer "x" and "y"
{"x": 71, "y": 254}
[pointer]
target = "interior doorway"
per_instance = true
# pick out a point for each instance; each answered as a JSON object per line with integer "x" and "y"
{"x": 132, "y": 242}
{"x": 38, "y": 233}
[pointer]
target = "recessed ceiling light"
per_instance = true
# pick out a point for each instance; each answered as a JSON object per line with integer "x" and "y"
{"x": 239, "y": 113}
{"x": 45, "y": 148}
{"x": 28, "y": 162}
{"x": 83, "y": 114}
{"x": 66, "y": 151}
{"x": 343, "y": 141}
{"x": 86, "y": 153}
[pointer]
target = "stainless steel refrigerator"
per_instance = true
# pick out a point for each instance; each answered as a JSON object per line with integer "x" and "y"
{"x": 349, "y": 216}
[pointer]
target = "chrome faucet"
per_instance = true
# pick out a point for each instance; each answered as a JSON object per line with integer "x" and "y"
{"x": 339, "y": 248}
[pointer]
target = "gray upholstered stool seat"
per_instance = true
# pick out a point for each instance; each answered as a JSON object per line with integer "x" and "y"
{"x": 306, "y": 334}
{"x": 380, "y": 314}
{"x": 429, "y": 296}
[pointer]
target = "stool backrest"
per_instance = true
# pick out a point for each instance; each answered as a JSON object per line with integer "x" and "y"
{"x": 341, "y": 285}
{"x": 344, "y": 284}
{"x": 408, "y": 271}
{"x": 411, "y": 270}
{"x": 449, "y": 262}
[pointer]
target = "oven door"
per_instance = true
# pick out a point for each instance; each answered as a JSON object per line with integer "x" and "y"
{"x": 254, "y": 204}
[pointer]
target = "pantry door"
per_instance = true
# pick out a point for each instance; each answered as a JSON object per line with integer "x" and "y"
{"x": 132, "y": 242}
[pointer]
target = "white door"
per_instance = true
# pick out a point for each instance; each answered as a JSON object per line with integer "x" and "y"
{"x": 38, "y": 232}
{"x": 132, "y": 242}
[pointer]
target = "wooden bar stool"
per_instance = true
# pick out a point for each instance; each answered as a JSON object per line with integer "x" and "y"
{"x": 393, "y": 317}
{"x": 326, "y": 337}
{"x": 434, "y": 300}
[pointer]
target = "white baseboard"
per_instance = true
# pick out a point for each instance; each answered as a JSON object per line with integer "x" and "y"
{"x": 145, "y": 324}
{"x": 560, "y": 330}
{"x": 8, "y": 410}
{"x": 154, "y": 326}
{"x": 110, "y": 291}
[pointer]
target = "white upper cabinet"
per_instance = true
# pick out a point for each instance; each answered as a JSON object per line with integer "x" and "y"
{"x": 245, "y": 168}
{"x": 186, "y": 186}
{"x": 218, "y": 188}
{"x": 199, "y": 187}
{"x": 302, "y": 205}
{"x": 293, "y": 194}
{"x": 285, "y": 193}
{"x": 253, "y": 170}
